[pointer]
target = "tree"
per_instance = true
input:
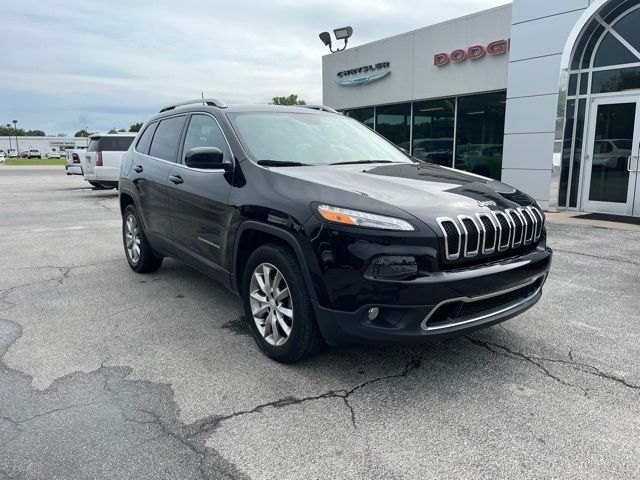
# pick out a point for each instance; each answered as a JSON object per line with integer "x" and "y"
{"x": 81, "y": 133}
{"x": 113, "y": 130}
{"x": 121, "y": 130}
{"x": 10, "y": 131}
{"x": 290, "y": 100}
{"x": 35, "y": 133}
{"x": 135, "y": 127}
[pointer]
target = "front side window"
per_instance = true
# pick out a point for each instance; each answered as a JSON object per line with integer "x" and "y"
{"x": 203, "y": 131}
{"x": 311, "y": 139}
{"x": 167, "y": 138}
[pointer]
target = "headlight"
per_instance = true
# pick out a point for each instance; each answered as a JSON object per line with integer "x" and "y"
{"x": 345, "y": 216}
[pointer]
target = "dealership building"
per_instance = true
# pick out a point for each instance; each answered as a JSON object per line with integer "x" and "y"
{"x": 541, "y": 94}
{"x": 44, "y": 144}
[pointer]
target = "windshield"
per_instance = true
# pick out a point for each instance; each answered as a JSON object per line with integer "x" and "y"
{"x": 311, "y": 139}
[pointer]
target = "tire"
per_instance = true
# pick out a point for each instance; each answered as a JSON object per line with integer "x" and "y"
{"x": 141, "y": 259}
{"x": 304, "y": 338}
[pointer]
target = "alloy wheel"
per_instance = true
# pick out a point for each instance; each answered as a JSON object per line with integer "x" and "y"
{"x": 132, "y": 238}
{"x": 271, "y": 304}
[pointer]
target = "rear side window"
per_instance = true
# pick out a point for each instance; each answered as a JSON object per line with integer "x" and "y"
{"x": 167, "y": 137}
{"x": 115, "y": 144}
{"x": 93, "y": 145}
{"x": 144, "y": 140}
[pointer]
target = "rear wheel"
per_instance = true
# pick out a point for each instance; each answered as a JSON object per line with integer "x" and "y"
{"x": 139, "y": 253}
{"x": 278, "y": 306}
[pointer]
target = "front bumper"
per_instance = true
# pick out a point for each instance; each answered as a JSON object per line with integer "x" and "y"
{"x": 453, "y": 303}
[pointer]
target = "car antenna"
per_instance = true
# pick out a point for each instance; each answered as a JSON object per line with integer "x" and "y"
{"x": 202, "y": 95}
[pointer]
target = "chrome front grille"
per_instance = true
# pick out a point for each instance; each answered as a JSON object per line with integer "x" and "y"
{"x": 487, "y": 232}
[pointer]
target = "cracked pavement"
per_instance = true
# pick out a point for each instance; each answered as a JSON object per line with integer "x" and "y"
{"x": 108, "y": 374}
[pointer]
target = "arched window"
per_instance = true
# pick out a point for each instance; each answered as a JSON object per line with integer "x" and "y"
{"x": 605, "y": 59}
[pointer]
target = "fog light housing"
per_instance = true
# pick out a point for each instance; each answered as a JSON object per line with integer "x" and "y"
{"x": 373, "y": 313}
{"x": 392, "y": 267}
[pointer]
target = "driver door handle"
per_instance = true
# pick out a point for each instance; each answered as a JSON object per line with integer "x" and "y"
{"x": 629, "y": 169}
{"x": 138, "y": 168}
{"x": 177, "y": 179}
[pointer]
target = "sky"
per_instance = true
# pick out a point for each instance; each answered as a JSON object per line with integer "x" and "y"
{"x": 74, "y": 64}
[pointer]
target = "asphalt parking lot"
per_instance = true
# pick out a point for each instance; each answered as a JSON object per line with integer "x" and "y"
{"x": 105, "y": 373}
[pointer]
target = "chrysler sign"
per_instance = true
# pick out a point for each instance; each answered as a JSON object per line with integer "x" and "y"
{"x": 499, "y": 47}
{"x": 363, "y": 75}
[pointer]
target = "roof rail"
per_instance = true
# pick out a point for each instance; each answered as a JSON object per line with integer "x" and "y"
{"x": 322, "y": 108}
{"x": 212, "y": 102}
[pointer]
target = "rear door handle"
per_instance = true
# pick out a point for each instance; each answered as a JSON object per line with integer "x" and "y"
{"x": 138, "y": 168}
{"x": 177, "y": 179}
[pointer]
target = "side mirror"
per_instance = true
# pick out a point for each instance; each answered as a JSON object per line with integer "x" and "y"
{"x": 210, "y": 158}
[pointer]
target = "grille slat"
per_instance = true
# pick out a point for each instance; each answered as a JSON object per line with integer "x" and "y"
{"x": 488, "y": 232}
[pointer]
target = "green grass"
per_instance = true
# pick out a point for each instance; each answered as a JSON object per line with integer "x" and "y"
{"x": 35, "y": 161}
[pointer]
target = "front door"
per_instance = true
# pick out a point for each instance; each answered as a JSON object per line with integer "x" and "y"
{"x": 612, "y": 165}
{"x": 198, "y": 202}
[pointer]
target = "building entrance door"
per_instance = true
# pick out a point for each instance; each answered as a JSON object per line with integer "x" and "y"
{"x": 612, "y": 159}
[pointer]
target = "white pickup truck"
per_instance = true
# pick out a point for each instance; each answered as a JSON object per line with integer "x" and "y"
{"x": 104, "y": 157}
{"x": 75, "y": 161}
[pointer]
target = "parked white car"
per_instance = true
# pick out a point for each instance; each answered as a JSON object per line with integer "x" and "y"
{"x": 13, "y": 153}
{"x": 2, "y": 157}
{"x": 34, "y": 153}
{"x": 75, "y": 161}
{"x": 53, "y": 155}
{"x": 103, "y": 158}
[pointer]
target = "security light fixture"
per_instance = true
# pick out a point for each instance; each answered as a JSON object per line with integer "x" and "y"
{"x": 343, "y": 33}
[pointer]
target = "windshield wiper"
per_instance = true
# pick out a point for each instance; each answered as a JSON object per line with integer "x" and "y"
{"x": 362, "y": 161}
{"x": 281, "y": 163}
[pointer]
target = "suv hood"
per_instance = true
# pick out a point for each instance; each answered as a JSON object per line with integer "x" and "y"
{"x": 425, "y": 191}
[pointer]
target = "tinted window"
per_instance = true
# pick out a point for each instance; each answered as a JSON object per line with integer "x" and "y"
{"x": 612, "y": 52}
{"x": 364, "y": 115}
{"x": 203, "y": 131}
{"x": 167, "y": 137}
{"x": 115, "y": 144}
{"x": 433, "y": 131}
{"x": 480, "y": 134}
{"x": 93, "y": 145}
{"x": 392, "y": 122}
{"x": 145, "y": 138}
{"x": 615, "y": 80}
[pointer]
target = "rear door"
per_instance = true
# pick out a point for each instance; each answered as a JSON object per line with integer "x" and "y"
{"x": 150, "y": 173}
{"x": 198, "y": 201}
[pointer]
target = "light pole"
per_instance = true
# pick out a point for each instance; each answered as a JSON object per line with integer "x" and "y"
{"x": 15, "y": 123}
{"x": 343, "y": 33}
{"x": 9, "y": 127}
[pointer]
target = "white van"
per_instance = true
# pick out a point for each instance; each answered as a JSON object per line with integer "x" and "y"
{"x": 103, "y": 158}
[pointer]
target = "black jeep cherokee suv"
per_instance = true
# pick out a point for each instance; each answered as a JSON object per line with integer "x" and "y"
{"x": 326, "y": 230}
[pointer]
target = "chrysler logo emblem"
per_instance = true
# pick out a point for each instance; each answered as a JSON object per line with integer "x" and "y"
{"x": 365, "y": 74}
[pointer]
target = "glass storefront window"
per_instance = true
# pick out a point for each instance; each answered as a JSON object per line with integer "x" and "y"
{"x": 480, "y": 134}
{"x": 566, "y": 153}
{"x": 433, "y": 125}
{"x": 615, "y": 80}
{"x": 363, "y": 115}
{"x": 393, "y": 122}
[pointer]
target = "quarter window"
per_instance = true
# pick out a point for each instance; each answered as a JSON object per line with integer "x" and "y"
{"x": 167, "y": 138}
{"x": 203, "y": 131}
{"x": 145, "y": 138}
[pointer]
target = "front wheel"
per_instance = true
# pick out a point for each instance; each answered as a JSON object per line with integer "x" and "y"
{"x": 139, "y": 253}
{"x": 278, "y": 306}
